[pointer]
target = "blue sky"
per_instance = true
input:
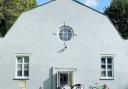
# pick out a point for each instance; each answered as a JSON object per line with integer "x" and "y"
{"x": 96, "y": 4}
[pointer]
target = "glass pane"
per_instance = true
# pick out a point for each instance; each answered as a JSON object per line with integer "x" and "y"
{"x": 69, "y": 31}
{"x": 109, "y": 60}
{"x": 19, "y": 67}
{"x": 109, "y": 66}
{"x": 103, "y": 66}
{"x": 103, "y": 60}
{"x": 19, "y": 73}
{"x": 69, "y": 35}
{"x": 26, "y": 67}
{"x": 26, "y": 73}
{"x": 19, "y": 59}
{"x": 109, "y": 73}
{"x": 65, "y": 38}
{"x": 26, "y": 59}
{"x": 61, "y": 34}
{"x": 65, "y": 30}
{"x": 103, "y": 73}
{"x": 65, "y": 34}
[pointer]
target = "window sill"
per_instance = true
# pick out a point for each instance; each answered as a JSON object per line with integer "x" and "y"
{"x": 21, "y": 79}
{"x": 106, "y": 78}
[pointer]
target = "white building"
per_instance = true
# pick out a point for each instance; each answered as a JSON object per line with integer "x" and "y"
{"x": 63, "y": 42}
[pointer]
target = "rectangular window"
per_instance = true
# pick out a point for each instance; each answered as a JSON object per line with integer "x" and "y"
{"x": 22, "y": 67}
{"x": 107, "y": 67}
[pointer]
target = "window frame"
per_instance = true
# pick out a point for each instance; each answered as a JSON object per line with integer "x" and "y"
{"x": 106, "y": 68}
{"x": 22, "y": 77}
{"x": 65, "y": 30}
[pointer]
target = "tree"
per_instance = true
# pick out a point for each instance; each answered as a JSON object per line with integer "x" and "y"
{"x": 118, "y": 13}
{"x": 11, "y": 9}
{"x": 1, "y": 17}
{"x": 1, "y": 9}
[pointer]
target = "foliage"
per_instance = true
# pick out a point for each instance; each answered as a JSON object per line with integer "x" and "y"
{"x": 1, "y": 9}
{"x": 1, "y": 17}
{"x": 118, "y": 13}
{"x": 10, "y": 10}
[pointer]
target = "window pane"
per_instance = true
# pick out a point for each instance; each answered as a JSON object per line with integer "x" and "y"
{"x": 26, "y": 73}
{"x": 65, "y": 30}
{"x": 103, "y": 73}
{"x": 109, "y": 60}
{"x": 26, "y": 67}
{"x": 26, "y": 59}
{"x": 19, "y": 67}
{"x": 65, "y": 34}
{"x": 103, "y": 60}
{"x": 109, "y": 66}
{"x": 65, "y": 38}
{"x": 69, "y": 35}
{"x": 61, "y": 34}
{"x": 69, "y": 31}
{"x": 103, "y": 66}
{"x": 19, "y": 73}
{"x": 19, "y": 59}
{"x": 109, "y": 73}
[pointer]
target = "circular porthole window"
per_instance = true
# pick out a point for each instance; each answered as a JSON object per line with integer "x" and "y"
{"x": 66, "y": 33}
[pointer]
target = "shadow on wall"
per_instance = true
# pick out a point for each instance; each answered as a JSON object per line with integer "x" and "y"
{"x": 48, "y": 84}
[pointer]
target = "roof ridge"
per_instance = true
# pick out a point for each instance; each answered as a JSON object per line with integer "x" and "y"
{"x": 88, "y": 7}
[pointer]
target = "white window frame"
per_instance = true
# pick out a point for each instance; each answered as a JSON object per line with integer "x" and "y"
{"x": 16, "y": 67}
{"x": 67, "y": 32}
{"x": 106, "y": 67}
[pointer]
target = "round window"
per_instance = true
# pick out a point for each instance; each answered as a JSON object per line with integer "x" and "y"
{"x": 66, "y": 33}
